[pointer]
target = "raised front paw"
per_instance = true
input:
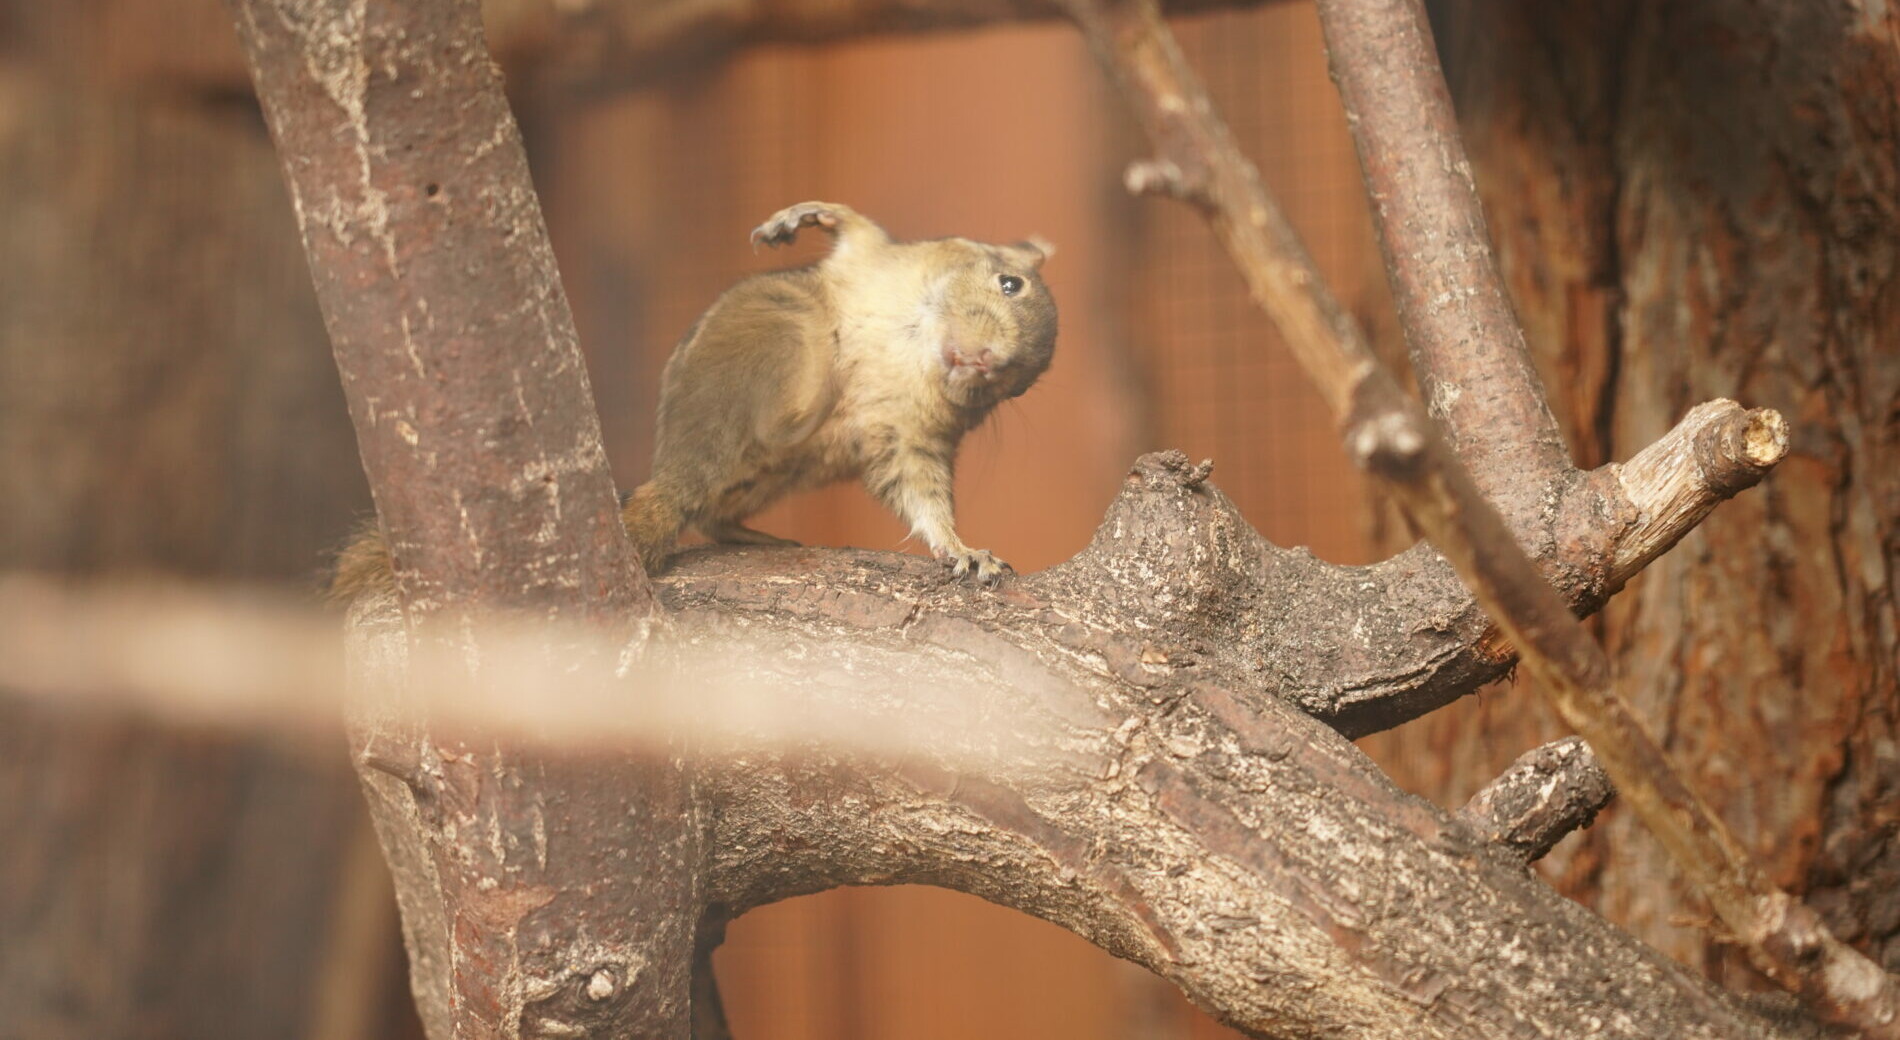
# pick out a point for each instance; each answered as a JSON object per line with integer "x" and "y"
{"x": 979, "y": 564}
{"x": 783, "y": 226}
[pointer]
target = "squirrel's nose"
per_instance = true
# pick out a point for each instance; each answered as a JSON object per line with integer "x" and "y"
{"x": 979, "y": 361}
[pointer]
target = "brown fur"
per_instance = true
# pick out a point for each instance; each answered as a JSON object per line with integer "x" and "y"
{"x": 362, "y": 566}
{"x": 871, "y": 364}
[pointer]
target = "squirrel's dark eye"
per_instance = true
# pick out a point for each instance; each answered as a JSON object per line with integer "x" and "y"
{"x": 1010, "y": 283}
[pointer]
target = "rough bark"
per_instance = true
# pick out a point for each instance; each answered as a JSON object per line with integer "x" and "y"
{"x": 574, "y": 907}
{"x": 1162, "y": 792}
{"x": 1169, "y": 807}
{"x": 1547, "y": 793}
{"x": 1194, "y": 826}
{"x": 1388, "y": 436}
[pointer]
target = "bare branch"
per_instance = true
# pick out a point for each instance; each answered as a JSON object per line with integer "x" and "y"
{"x": 1138, "y": 51}
{"x": 1389, "y": 435}
{"x": 1784, "y": 938}
{"x": 478, "y": 433}
{"x": 455, "y": 344}
{"x": 1366, "y": 648}
{"x": 588, "y": 43}
{"x": 1718, "y": 449}
{"x": 1221, "y": 838}
{"x": 1166, "y": 811}
{"x": 1547, "y": 793}
{"x": 1466, "y": 344}
{"x": 1118, "y": 759}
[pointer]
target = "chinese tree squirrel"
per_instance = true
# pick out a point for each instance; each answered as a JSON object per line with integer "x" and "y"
{"x": 872, "y": 363}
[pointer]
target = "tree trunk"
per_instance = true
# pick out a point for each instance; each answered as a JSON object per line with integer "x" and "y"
{"x": 1695, "y": 200}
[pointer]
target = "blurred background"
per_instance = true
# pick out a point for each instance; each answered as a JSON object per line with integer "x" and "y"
{"x": 168, "y": 406}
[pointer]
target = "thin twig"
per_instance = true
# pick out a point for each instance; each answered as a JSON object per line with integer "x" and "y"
{"x": 1388, "y": 434}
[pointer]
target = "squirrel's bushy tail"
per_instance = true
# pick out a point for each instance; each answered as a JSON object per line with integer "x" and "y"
{"x": 654, "y": 523}
{"x": 362, "y": 566}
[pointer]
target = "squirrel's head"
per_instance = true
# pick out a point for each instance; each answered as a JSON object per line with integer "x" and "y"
{"x": 998, "y": 320}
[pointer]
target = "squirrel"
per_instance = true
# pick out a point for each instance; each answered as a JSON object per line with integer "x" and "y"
{"x": 870, "y": 364}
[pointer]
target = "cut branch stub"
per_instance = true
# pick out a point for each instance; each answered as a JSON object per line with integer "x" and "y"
{"x": 1718, "y": 449}
{"x": 1547, "y": 793}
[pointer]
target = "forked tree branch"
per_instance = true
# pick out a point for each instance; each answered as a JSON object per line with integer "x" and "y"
{"x": 1161, "y": 789}
{"x": 1389, "y": 436}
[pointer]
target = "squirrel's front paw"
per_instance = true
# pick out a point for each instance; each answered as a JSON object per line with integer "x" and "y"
{"x": 979, "y": 564}
{"x": 783, "y": 226}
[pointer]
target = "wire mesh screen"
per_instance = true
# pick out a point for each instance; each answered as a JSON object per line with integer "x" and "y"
{"x": 1226, "y": 386}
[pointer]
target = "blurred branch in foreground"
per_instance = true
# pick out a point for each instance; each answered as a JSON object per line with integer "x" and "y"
{"x": 249, "y": 660}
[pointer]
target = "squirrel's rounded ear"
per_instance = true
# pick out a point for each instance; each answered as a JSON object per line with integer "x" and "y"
{"x": 1033, "y": 250}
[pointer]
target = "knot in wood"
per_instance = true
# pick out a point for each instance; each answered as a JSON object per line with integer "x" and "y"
{"x": 1168, "y": 177}
{"x": 1164, "y": 470}
{"x": 1391, "y": 444}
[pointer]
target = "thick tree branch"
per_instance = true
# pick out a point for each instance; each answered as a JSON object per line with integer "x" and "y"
{"x": 1784, "y": 938}
{"x": 482, "y": 446}
{"x": 1222, "y": 838}
{"x": 438, "y": 288}
{"x": 1381, "y": 664}
{"x": 1388, "y": 435}
{"x": 1466, "y": 344}
{"x": 185, "y": 44}
{"x": 1547, "y": 793}
{"x": 1366, "y": 648}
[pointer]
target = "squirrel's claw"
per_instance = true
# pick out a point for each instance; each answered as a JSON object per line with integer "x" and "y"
{"x": 978, "y": 564}
{"x": 782, "y": 227}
